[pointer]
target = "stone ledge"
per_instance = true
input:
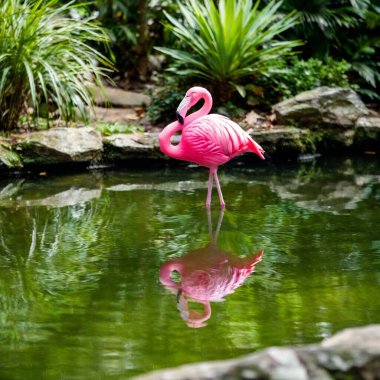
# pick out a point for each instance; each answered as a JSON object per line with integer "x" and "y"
{"x": 59, "y": 146}
{"x": 323, "y": 106}
{"x": 351, "y": 354}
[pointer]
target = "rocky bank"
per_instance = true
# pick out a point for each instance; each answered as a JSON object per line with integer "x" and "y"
{"x": 317, "y": 121}
{"x": 351, "y": 354}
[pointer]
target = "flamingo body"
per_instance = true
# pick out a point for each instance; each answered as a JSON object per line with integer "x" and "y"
{"x": 214, "y": 139}
{"x": 207, "y": 140}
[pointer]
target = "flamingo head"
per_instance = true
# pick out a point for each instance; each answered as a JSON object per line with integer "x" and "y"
{"x": 191, "y": 98}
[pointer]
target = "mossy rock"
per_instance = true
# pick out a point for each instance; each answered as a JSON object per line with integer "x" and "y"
{"x": 8, "y": 157}
{"x": 367, "y": 133}
{"x": 289, "y": 142}
{"x": 60, "y": 146}
{"x": 131, "y": 146}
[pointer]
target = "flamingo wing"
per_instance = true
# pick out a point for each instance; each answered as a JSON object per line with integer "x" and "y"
{"x": 217, "y": 139}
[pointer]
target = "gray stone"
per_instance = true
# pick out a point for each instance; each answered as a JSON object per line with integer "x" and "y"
{"x": 114, "y": 115}
{"x": 282, "y": 140}
{"x": 323, "y": 106}
{"x": 60, "y": 146}
{"x": 123, "y": 146}
{"x": 119, "y": 98}
{"x": 354, "y": 353}
{"x": 367, "y": 133}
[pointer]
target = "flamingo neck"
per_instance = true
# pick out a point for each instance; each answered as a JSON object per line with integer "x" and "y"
{"x": 201, "y": 112}
{"x": 166, "y": 270}
{"x": 174, "y": 151}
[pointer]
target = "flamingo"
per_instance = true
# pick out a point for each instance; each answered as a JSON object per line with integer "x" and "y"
{"x": 207, "y": 275}
{"x": 207, "y": 140}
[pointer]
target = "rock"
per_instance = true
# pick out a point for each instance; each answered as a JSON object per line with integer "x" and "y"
{"x": 114, "y": 115}
{"x": 282, "y": 140}
{"x": 253, "y": 119}
{"x": 323, "y": 106}
{"x": 121, "y": 146}
{"x": 352, "y": 354}
{"x": 119, "y": 98}
{"x": 9, "y": 159}
{"x": 60, "y": 146}
{"x": 367, "y": 132}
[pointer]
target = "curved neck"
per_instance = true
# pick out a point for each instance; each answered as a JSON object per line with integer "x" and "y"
{"x": 166, "y": 146}
{"x": 201, "y": 112}
{"x": 166, "y": 270}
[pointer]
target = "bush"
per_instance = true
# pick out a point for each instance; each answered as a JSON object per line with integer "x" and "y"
{"x": 225, "y": 44}
{"x": 166, "y": 97}
{"x": 45, "y": 58}
{"x": 298, "y": 75}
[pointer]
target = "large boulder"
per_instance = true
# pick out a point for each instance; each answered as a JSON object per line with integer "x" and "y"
{"x": 323, "y": 106}
{"x": 281, "y": 140}
{"x": 351, "y": 354}
{"x": 60, "y": 146}
{"x": 367, "y": 133}
{"x": 122, "y": 146}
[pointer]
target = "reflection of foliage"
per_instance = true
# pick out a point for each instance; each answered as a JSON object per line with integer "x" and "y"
{"x": 81, "y": 282}
{"x": 58, "y": 258}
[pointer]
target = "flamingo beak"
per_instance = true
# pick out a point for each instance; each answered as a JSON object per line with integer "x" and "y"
{"x": 182, "y": 109}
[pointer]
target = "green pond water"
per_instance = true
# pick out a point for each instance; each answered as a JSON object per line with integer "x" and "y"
{"x": 80, "y": 290}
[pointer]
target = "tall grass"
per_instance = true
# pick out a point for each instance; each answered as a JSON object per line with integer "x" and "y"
{"x": 46, "y": 57}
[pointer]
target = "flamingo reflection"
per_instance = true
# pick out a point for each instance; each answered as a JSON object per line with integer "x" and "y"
{"x": 206, "y": 275}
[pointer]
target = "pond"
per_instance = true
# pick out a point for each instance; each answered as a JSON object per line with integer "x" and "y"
{"x": 105, "y": 275}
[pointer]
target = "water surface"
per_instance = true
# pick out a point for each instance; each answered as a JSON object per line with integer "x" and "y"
{"x": 80, "y": 256}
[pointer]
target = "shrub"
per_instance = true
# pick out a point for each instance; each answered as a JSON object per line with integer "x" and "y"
{"x": 298, "y": 75}
{"x": 166, "y": 97}
{"x": 226, "y": 43}
{"x": 45, "y": 58}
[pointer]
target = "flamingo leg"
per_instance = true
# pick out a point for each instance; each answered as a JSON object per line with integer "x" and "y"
{"x": 209, "y": 191}
{"x": 222, "y": 204}
{"x": 219, "y": 224}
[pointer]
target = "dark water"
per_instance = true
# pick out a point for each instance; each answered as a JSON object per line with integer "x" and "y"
{"x": 80, "y": 258}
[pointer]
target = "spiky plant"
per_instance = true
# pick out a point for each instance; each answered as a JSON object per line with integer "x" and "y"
{"x": 46, "y": 57}
{"x": 225, "y": 43}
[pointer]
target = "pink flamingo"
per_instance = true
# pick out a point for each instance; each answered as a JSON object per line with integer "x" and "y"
{"x": 207, "y": 275}
{"x": 207, "y": 140}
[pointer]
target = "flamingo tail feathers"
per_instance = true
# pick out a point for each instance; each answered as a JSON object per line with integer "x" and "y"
{"x": 256, "y": 148}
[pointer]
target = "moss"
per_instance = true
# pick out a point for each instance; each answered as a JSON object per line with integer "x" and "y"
{"x": 9, "y": 157}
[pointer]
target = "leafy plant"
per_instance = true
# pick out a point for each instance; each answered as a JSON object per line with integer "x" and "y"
{"x": 45, "y": 58}
{"x": 321, "y": 22}
{"x": 224, "y": 44}
{"x": 166, "y": 96}
{"x": 299, "y": 75}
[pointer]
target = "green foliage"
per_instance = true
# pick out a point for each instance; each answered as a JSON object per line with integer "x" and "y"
{"x": 298, "y": 75}
{"x": 133, "y": 29}
{"x": 165, "y": 98}
{"x": 321, "y": 22}
{"x": 45, "y": 58}
{"x": 361, "y": 47}
{"x": 108, "y": 129}
{"x": 224, "y": 44}
{"x": 345, "y": 29}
